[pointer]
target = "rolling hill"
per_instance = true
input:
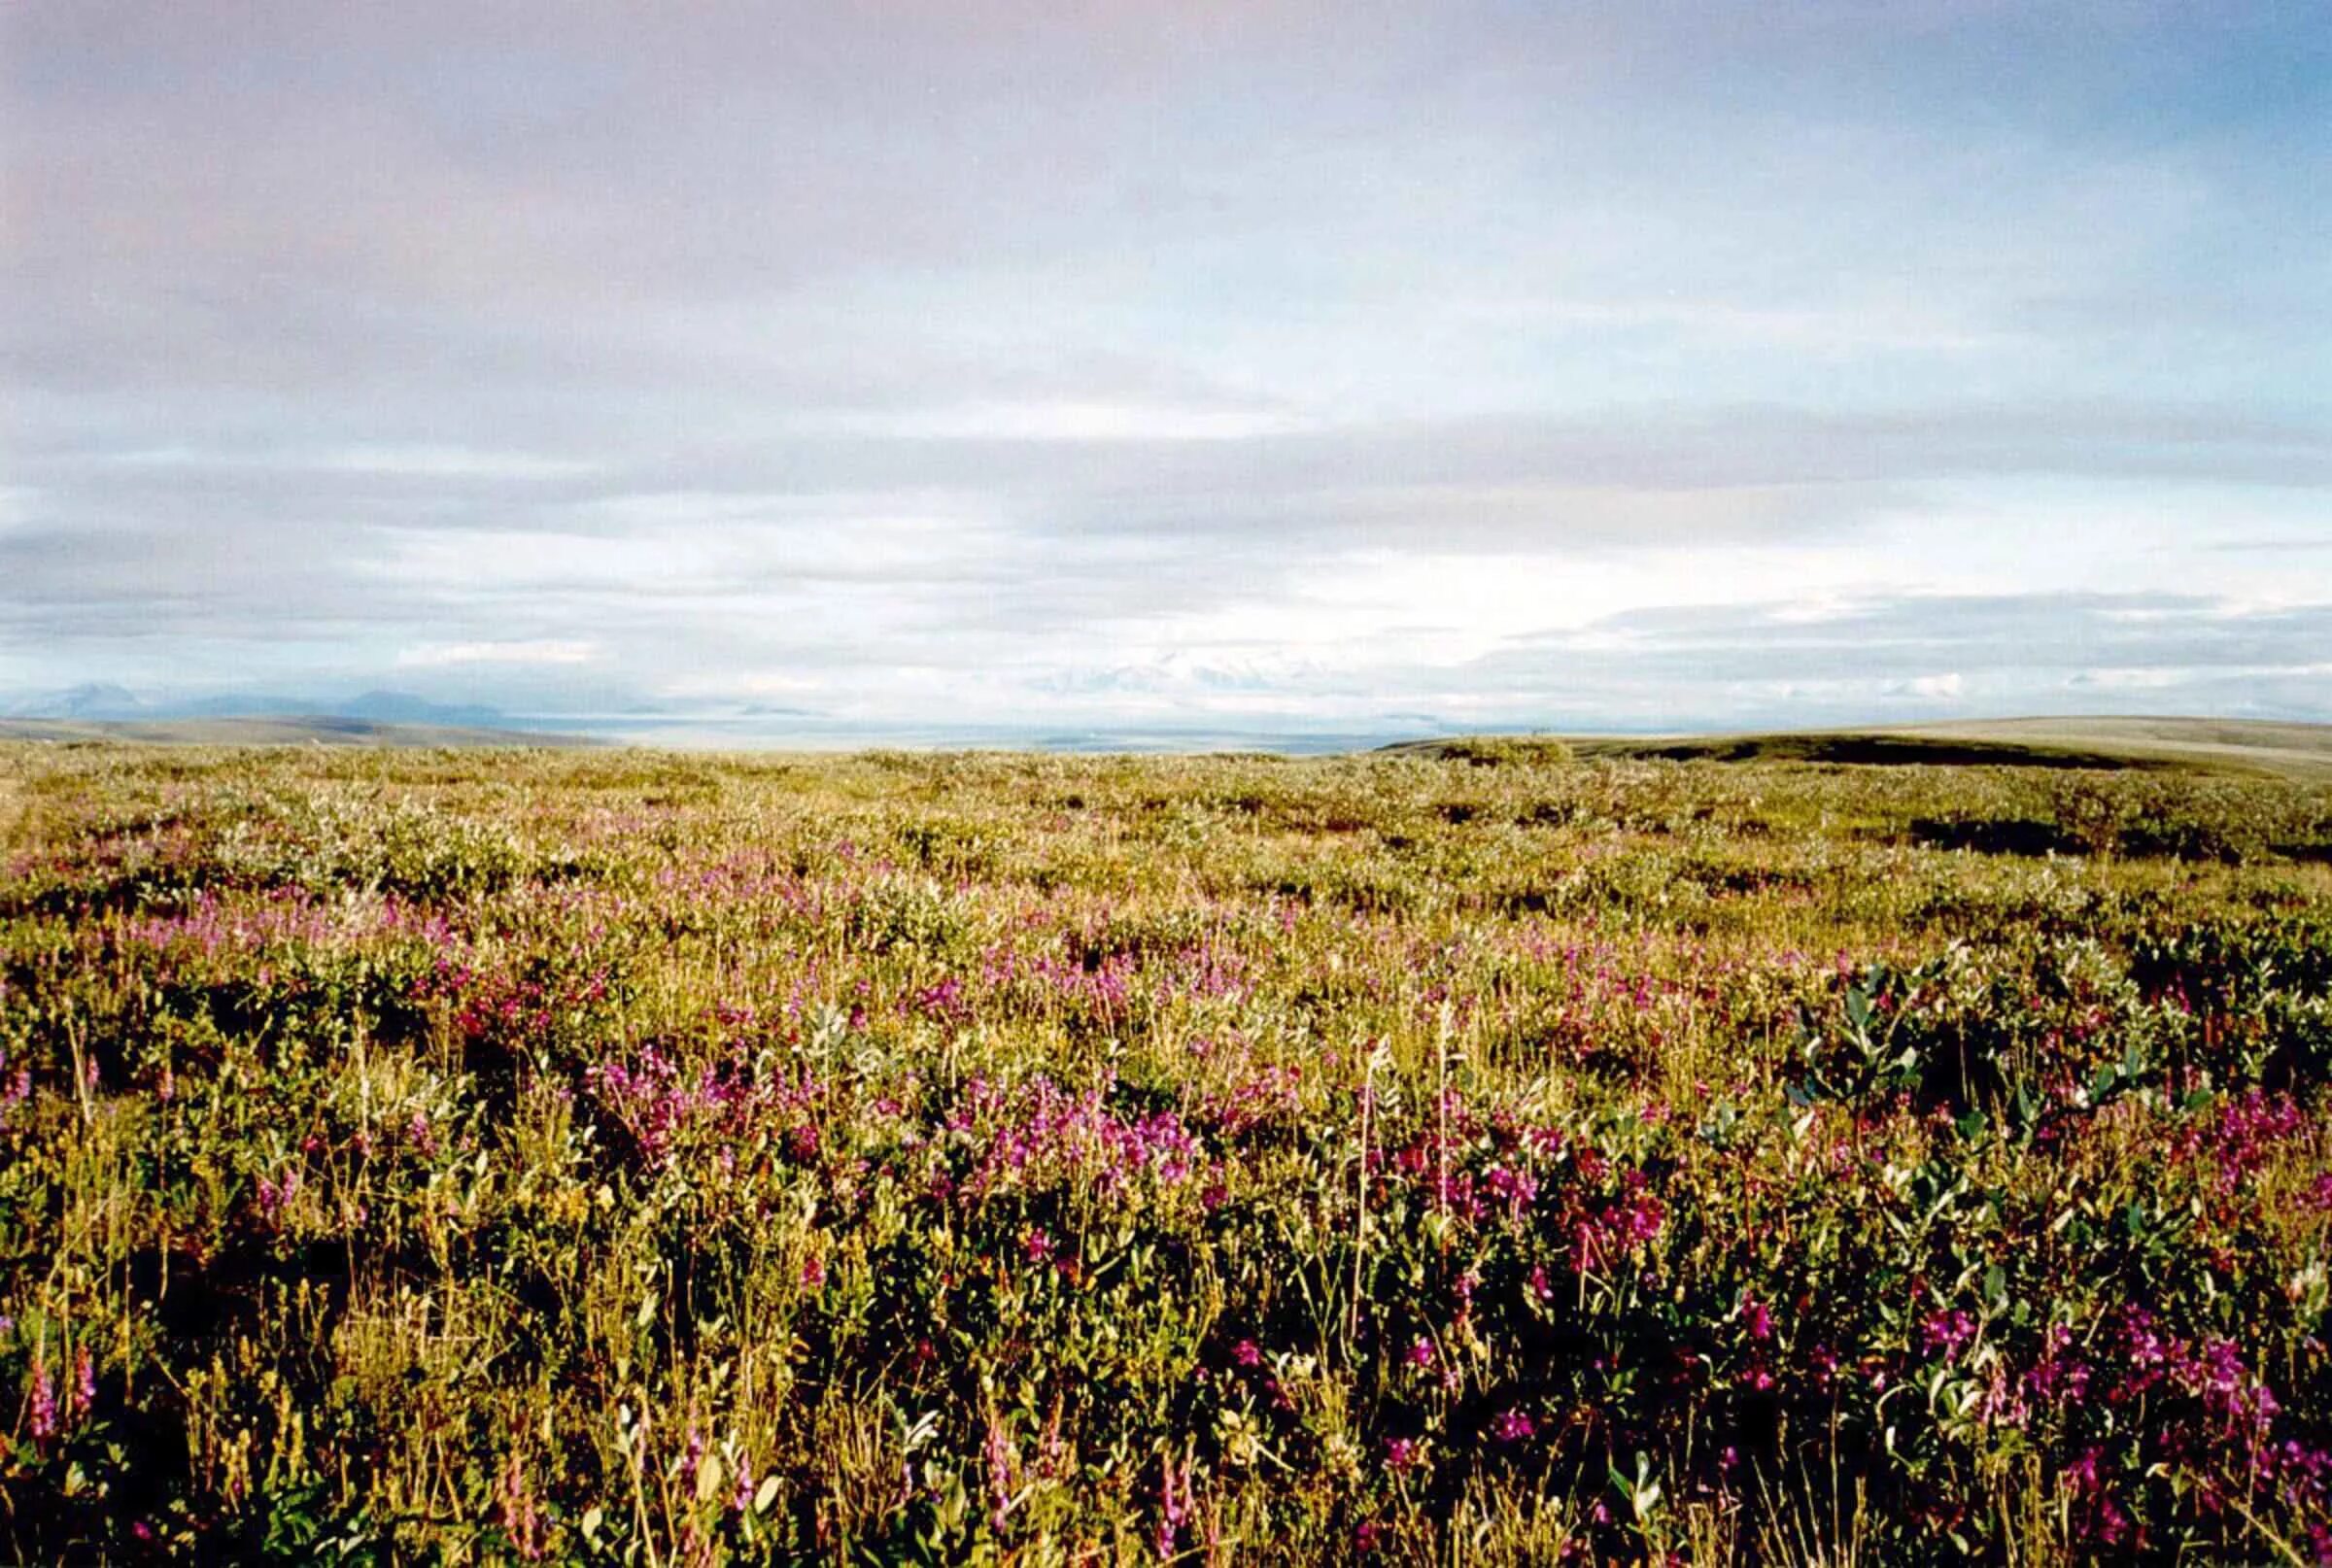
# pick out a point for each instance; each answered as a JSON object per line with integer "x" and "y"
{"x": 2237, "y": 746}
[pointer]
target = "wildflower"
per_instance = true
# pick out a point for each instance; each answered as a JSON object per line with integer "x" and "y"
{"x": 813, "y": 1271}
{"x": 1512, "y": 1426}
{"x": 1946, "y": 1333}
{"x": 522, "y": 1515}
{"x": 1421, "y": 1353}
{"x": 1401, "y": 1453}
{"x": 1037, "y": 1246}
{"x": 1760, "y": 1321}
{"x": 1004, "y": 1472}
{"x": 43, "y": 1411}
{"x": 1174, "y": 1507}
{"x": 275, "y": 1195}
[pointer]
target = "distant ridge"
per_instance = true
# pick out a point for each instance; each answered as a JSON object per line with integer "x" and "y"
{"x": 103, "y": 702}
{"x": 329, "y": 730}
{"x": 2253, "y": 747}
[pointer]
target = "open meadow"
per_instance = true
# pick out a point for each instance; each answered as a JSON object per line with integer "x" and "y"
{"x": 1477, "y": 1156}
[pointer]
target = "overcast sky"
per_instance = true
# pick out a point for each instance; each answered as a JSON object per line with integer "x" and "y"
{"x": 1253, "y": 362}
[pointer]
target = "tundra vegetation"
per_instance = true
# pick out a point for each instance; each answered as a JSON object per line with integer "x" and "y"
{"x": 1499, "y": 1156}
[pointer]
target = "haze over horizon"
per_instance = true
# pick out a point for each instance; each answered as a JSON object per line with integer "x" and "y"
{"x": 1256, "y": 365}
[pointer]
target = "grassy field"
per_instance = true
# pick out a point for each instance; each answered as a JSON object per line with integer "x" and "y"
{"x": 1484, "y": 1156}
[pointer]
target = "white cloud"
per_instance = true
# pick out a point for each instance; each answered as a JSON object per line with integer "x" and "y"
{"x": 394, "y": 462}
{"x": 539, "y": 651}
{"x": 1061, "y": 422}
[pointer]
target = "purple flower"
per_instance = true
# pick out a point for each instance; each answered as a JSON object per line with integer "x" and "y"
{"x": 1174, "y": 1507}
{"x": 1945, "y": 1334}
{"x": 43, "y": 1401}
{"x": 275, "y": 1195}
{"x": 1512, "y": 1426}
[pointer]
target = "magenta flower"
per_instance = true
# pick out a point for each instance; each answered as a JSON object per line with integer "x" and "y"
{"x": 1946, "y": 1334}
{"x": 42, "y": 1404}
{"x": 1512, "y": 1426}
{"x": 275, "y": 1195}
{"x": 1174, "y": 1507}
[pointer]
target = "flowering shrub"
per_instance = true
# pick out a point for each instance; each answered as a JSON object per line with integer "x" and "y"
{"x": 614, "y": 1157}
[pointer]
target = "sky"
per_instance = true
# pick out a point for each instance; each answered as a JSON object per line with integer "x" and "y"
{"x": 1259, "y": 365}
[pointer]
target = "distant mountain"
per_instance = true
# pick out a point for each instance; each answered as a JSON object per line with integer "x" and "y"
{"x": 250, "y": 706}
{"x": 95, "y": 700}
{"x": 101, "y": 701}
{"x": 316, "y": 729}
{"x": 403, "y": 707}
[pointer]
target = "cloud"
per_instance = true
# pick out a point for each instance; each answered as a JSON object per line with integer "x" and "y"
{"x": 1045, "y": 356}
{"x": 438, "y": 654}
